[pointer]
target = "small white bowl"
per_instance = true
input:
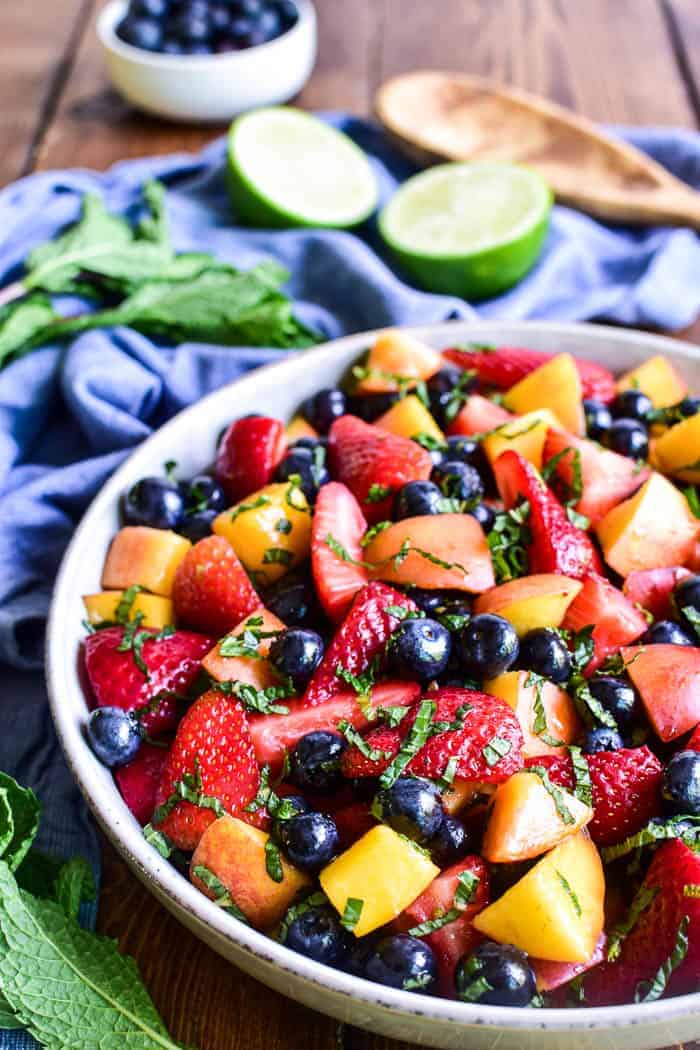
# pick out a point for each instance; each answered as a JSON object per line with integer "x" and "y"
{"x": 209, "y": 88}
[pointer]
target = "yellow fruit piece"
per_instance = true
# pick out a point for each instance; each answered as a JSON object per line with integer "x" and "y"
{"x": 556, "y": 910}
{"x": 658, "y": 379}
{"x": 395, "y": 361}
{"x": 298, "y": 428}
{"x": 561, "y": 721}
{"x": 525, "y": 435}
{"x": 270, "y": 530}
{"x": 555, "y": 385}
{"x": 248, "y": 669}
{"x": 157, "y": 612}
{"x": 677, "y": 451}
{"x": 234, "y": 853}
{"x": 654, "y": 529}
{"x": 149, "y": 557}
{"x": 534, "y": 601}
{"x": 408, "y": 418}
{"x": 383, "y": 870}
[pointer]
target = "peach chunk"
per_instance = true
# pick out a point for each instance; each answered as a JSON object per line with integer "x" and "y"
{"x": 149, "y": 557}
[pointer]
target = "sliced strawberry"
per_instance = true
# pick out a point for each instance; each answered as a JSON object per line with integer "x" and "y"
{"x": 352, "y": 822}
{"x": 249, "y": 453}
{"x": 371, "y": 461}
{"x": 213, "y": 756}
{"x": 116, "y": 680}
{"x": 361, "y": 637}
{"x": 212, "y": 590}
{"x": 337, "y": 513}
{"x": 138, "y": 780}
{"x": 552, "y": 975}
{"x": 626, "y": 787}
{"x": 606, "y": 477}
{"x": 478, "y": 416}
{"x": 507, "y": 365}
{"x": 652, "y": 589}
{"x": 557, "y": 544}
{"x": 615, "y": 620}
{"x": 652, "y": 940}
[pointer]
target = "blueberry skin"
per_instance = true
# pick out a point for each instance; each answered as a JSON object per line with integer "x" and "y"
{"x": 144, "y": 33}
{"x": 602, "y": 738}
{"x": 485, "y": 515}
{"x": 249, "y": 8}
{"x": 311, "y": 442}
{"x": 417, "y": 498}
{"x": 431, "y": 602}
{"x": 309, "y": 465}
{"x": 298, "y": 803}
{"x": 505, "y": 968}
{"x": 467, "y": 450}
{"x": 310, "y": 840}
{"x": 686, "y": 594}
{"x": 681, "y": 783}
{"x": 294, "y": 602}
{"x": 296, "y": 653}
{"x": 451, "y": 843}
{"x": 149, "y": 8}
{"x": 402, "y": 961}
{"x": 318, "y": 935}
{"x": 220, "y": 17}
{"x": 458, "y": 480}
{"x": 666, "y": 632}
{"x": 203, "y": 492}
{"x": 628, "y": 437}
{"x": 487, "y": 646}
{"x": 689, "y": 406}
{"x": 155, "y": 502}
{"x": 198, "y": 525}
{"x": 421, "y": 648}
{"x": 440, "y": 387}
{"x": 315, "y": 761}
{"x": 632, "y": 404}
{"x": 193, "y": 26}
{"x": 288, "y": 13}
{"x": 617, "y": 697}
{"x": 411, "y": 806}
{"x": 114, "y": 735}
{"x": 322, "y": 408}
{"x": 545, "y": 653}
{"x": 371, "y": 406}
{"x": 598, "y": 419}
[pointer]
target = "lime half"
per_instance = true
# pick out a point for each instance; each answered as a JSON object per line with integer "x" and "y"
{"x": 468, "y": 229}
{"x": 287, "y": 168}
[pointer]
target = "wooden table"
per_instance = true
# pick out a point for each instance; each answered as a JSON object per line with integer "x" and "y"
{"x": 635, "y": 61}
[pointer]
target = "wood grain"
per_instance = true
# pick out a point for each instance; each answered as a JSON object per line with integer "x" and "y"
{"x": 683, "y": 18}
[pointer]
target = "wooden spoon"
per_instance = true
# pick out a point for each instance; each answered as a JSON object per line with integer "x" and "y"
{"x": 437, "y": 116}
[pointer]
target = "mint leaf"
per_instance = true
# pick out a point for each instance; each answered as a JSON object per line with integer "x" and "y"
{"x": 24, "y": 809}
{"x": 568, "y": 889}
{"x": 496, "y": 749}
{"x": 508, "y": 541}
{"x": 556, "y": 793}
{"x": 23, "y": 324}
{"x": 75, "y": 884}
{"x": 352, "y": 913}
{"x": 650, "y": 991}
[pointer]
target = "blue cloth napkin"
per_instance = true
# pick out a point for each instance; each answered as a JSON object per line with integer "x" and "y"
{"x": 70, "y": 414}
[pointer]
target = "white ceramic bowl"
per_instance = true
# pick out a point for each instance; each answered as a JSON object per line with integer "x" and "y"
{"x": 190, "y": 439}
{"x": 209, "y": 88}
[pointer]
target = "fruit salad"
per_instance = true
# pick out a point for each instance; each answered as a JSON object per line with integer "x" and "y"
{"x": 412, "y": 682}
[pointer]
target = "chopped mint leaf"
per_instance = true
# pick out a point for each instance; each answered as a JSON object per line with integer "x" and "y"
{"x": 428, "y": 442}
{"x": 583, "y": 789}
{"x": 392, "y": 716}
{"x": 555, "y": 792}
{"x": 496, "y": 749}
{"x": 449, "y": 773}
{"x": 315, "y": 900}
{"x": 539, "y": 724}
{"x": 273, "y": 861}
{"x": 158, "y": 840}
{"x": 693, "y": 617}
{"x": 355, "y": 739}
{"x": 459, "y": 395}
{"x": 400, "y": 612}
{"x": 693, "y": 498}
{"x": 188, "y": 789}
{"x": 242, "y": 508}
{"x": 340, "y": 551}
{"x": 362, "y": 683}
{"x": 278, "y": 808}
{"x": 294, "y": 496}
{"x": 650, "y": 991}
{"x": 588, "y": 707}
{"x": 277, "y": 556}
{"x": 642, "y": 899}
{"x": 416, "y": 737}
{"x": 685, "y": 827}
{"x": 467, "y": 885}
{"x": 126, "y": 603}
{"x": 247, "y": 643}
{"x": 416, "y": 984}
{"x": 352, "y": 913}
{"x": 373, "y": 531}
{"x": 378, "y": 493}
{"x": 452, "y": 621}
{"x": 582, "y": 647}
{"x": 259, "y": 701}
{"x": 566, "y": 885}
{"x": 508, "y": 541}
{"x": 222, "y": 898}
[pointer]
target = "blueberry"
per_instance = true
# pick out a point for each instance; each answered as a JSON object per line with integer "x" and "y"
{"x": 269, "y": 24}
{"x": 171, "y": 46}
{"x": 410, "y": 806}
{"x": 487, "y": 646}
{"x": 420, "y": 649}
{"x": 324, "y": 407}
{"x": 467, "y": 450}
{"x": 288, "y": 13}
{"x": 617, "y": 697}
{"x": 318, "y": 935}
{"x": 433, "y": 601}
{"x": 220, "y": 17}
{"x": 295, "y": 802}
{"x": 459, "y": 481}
{"x": 451, "y": 842}
{"x": 193, "y": 26}
{"x": 631, "y": 404}
{"x": 249, "y": 8}
{"x": 628, "y": 437}
{"x": 681, "y": 783}
{"x": 402, "y": 961}
{"x": 416, "y": 498}
{"x": 598, "y": 419}
{"x": 485, "y": 515}
{"x": 149, "y": 8}
{"x": 602, "y": 738}
{"x": 294, "y": 602}
{"x": 689, "y": 406}
{"x": 310, "y": 840}
{"x": 198, "y": 49}
{"x": 197, "y": 525}
{"x": 296, "y": 653}
{"x": 203, "y": 492}
{"x": 371, "y": 406}
{"x": 155, "y": 502}
{"x": 686, "y": 595}
{"x": 497, "y": 974}
{"x": 311, "y": 442}
{"x": 544, "y": 652}
{"x": 114, "y": 735}
{"x": 444, "y": 399}
{"x": 144, "y": 33}
{"x": 315, "y": 761}
{"x": 309, "y": 464}
{"x": 666, "y": 632}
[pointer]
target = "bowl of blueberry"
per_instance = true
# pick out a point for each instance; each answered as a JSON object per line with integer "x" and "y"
{"x": 207, "y": 60}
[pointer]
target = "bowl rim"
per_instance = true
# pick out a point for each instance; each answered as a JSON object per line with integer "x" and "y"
{"x": 162, "y": 878}
{"x": 112, "y": 13}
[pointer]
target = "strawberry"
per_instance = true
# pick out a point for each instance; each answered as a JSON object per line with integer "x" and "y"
{"x": 552, "y": 975}
{"x": 361, "y": 637}
{"x": 615, "y": 620}
{"x": 249, "y": 453}
{"x": 212, "y": 758}
{"x": 507, "y": 365}
{"x": 352, "y": 822}
{"x": 337, "y": 513}
{"x": 653, "y": 589}
{"x": 371, "y": 461}
{"x": 478, "y": 416}
{"x": 694, "y": 741}
{"x": 212, "y": 590}
{"x": 138, "y": 781}
{"x": 557, "y": 544}
{"x": 626, "y": 786}
{"x": 653, "y": 938}
{"x": 172, "y": 665}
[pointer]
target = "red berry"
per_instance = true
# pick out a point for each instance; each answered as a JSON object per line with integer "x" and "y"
{"x": 249, "y": 453}
{"x": 507, "y": 365}
{"x": 212, "y": 590}
{"x": 337, "y": 513}
{"x": 138, "y": 780}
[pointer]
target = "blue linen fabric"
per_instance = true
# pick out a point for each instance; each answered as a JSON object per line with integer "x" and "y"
{"x": 70, "y": 414}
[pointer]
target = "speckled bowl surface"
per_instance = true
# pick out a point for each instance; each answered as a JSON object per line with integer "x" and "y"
{"x": 190, "y": 438}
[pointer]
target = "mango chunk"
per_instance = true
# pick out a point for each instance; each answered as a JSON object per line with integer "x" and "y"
{"x": 654, "y": 529}
{"x": 396, "y": 360}
{"x": 383, "y": 870}
{"x": 258, "y": 673}
{"x": 408, "y": 418}
{"x": 526, "y": 435}
{"x": 556, "y": 910}
{"x": 658, "y": 379}
{"x": 149, "y": 557}
{"x": 534, "y": 601}
{"x": 297, "y": 428}
{"x": 156, "y": 611}
{"x": 555, "y": 385}
{"x": 561, "y": 722}
{"x": 677, "y": 451}
{"x": 270, "y": 530}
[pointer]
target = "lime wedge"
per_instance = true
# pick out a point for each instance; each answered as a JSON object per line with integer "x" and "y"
{"x": 287, "y": 168}
{"x": 468, "y": 229}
